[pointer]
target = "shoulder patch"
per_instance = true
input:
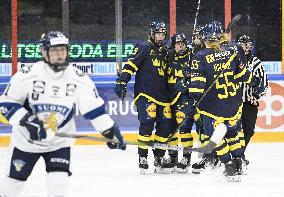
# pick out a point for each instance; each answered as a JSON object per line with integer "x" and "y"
{"x": 26, "y": 68}
{"x": 79, "y": 72}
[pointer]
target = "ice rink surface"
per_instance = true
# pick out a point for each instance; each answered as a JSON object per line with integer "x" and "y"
{"x": 98, "y": 171}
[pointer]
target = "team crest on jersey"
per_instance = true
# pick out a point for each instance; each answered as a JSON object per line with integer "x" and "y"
{"x": 52, "y": 115}
{"x": 19, "y": 164}
{"x": 70, "y": 89}
{"x": 51, "y": 122}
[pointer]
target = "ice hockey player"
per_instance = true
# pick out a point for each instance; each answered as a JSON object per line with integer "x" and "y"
{"x": 197, "y": 42}
{"x": 178, "y": 59}
{"x": 150, "y": 62}
{"x": 222, "y": 104}
{"x": 251, "y": 95}
{"x": 39, "y": 101}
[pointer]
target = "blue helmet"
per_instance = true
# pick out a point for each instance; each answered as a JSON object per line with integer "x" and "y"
{"x": 178, "y": 37}
{"x": 212, "y": 31}
{"x": 157, "y": 27}
{"x": 54, "y": 39}
{"x": 197, "y": 29}
{"x": 243, "y": 39}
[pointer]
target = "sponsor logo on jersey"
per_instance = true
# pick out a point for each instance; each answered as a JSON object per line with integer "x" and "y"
{"x": 167, "y": 112}
{"x": 39, "y": 87}
{"x": 180, "y": 116}
{"x": 55, "y": 90}
{"x": 151, "y": 110}
{"x": 59, "y": 160}
{"x": 19, "y": 164}
{"x": 70, "y": 89}
{"x": 222, "y": 54}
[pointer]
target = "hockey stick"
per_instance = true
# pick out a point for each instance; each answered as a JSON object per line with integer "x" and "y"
{"x": 216, "y": 137}
{"x": 135, "y": 143}
{"x": 194, "y": 28}
{"x": 202, "y": 97}
{"x": 232, "y": 23}
{"x": 196, "y": 15}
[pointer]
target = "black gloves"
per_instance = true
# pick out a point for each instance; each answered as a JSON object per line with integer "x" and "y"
{"x": 186, "y": 71}
{"x": 188, "y": 107}
{"x": 110, "y": 134}
{"x": 34, "y": 126}
{"x": 257, "y": 86}
{"x": 120, "y": 89}
{"x": 183, "y": 85}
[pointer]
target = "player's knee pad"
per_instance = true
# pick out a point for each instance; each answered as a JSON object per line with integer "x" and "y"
{"x": 11, "y": 187}
{"x": 223, "y": 151}
{"x": 57, "y": 184}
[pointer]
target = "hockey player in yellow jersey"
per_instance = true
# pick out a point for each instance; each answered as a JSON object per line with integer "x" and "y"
{"x": 152, "y": 98}
{"x": 178, "y": 61}
{"x": 221, "y": 106}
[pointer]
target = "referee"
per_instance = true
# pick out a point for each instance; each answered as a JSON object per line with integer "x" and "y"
{"x": 251, "y": 94}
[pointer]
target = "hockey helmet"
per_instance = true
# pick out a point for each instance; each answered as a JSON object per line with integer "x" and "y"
{"x": 157, "y": 27}
{"x": 54, "y": 39}
{"x": 212, "y": 31}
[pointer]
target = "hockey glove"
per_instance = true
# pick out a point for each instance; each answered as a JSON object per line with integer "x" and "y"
{"x": 120, "y": 89}
{"x": 258, "y": 87}
{"x": 110, "y": 134}
{"x": 34, "y": 126}
{"x": 188, "y": 107}
{"x": 183, "y": 85}
{"x": 186, "y": 70}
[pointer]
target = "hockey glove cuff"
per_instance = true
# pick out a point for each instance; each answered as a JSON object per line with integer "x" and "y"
{"x": 110, "y": 134}
{"x": 34, "y": 126}
{"x": 183, "y": 85}
{"x": 120, "y": 89}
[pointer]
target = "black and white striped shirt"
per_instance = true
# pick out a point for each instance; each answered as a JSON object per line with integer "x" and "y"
{"x": 258, "y": 70}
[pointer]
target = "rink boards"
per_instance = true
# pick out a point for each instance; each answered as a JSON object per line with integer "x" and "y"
{"x": 269, "y": 127}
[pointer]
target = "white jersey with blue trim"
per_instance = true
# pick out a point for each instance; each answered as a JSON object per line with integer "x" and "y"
{"x": 52, "y": 97}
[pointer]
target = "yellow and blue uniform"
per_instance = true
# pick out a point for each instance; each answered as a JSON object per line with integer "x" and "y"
{"x": 223, "y": 102}
{"x": 152, "y": 97}
{"x": 176, "y": 64}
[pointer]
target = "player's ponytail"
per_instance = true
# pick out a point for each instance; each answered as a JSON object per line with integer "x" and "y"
{"x": 214, "y": 45}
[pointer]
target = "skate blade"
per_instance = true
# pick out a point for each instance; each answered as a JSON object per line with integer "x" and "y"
{"x": 233, "y": 179}
{"x": 197, "y": 171}
{"x": 144, "y": 171}
{"x": 164, "y": 170}
{"x": 182, "y": 171}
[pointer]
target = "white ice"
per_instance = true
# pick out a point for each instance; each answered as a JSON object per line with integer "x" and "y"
{"x": 98, "y": 171}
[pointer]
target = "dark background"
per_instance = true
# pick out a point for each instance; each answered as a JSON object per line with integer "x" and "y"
{"x": 95, "y": 19}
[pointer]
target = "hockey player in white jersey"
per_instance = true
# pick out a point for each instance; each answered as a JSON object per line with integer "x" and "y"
{"x": 40, "y": 101}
